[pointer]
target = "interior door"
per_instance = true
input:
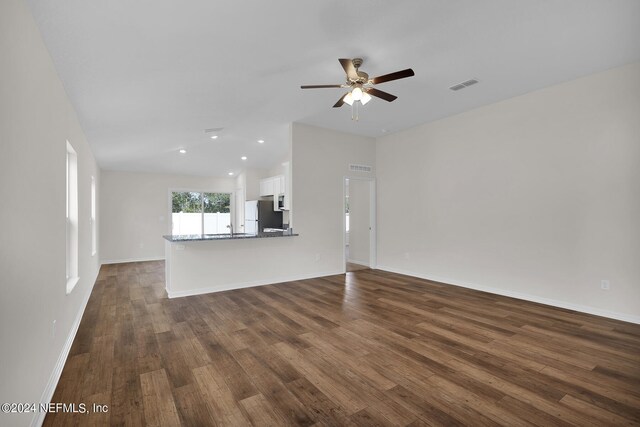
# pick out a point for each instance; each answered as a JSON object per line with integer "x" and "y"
{"x": 359, "y": 221}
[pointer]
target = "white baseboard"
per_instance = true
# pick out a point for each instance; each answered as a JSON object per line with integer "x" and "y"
{"x": 121, "y": 261}
{"x": 208, "y": 290}
{"x": 47, "y": 395}
{"x": 520, "y": 295}
{"x": 359, "y": 262}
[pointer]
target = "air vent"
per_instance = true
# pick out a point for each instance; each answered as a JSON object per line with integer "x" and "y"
{"x": 464, "y": 84}
{"x": 360, "y": 168}
{"x": 213, "y": 130}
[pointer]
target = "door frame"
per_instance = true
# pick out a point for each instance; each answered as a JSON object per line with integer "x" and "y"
{"x": 372, "y": 220}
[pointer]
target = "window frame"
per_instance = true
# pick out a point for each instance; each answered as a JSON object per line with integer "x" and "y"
{"x": 93, "y": 217}
{"x": 232, "y": 205}
{"x": 72, "y": 220}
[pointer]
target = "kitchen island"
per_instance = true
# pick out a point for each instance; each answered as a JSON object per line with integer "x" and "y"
{"x": 226, "y": 236}
{"x": 198, "y": 264}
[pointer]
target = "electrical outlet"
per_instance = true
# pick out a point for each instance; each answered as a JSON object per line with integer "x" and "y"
{"x": 406, "y": 255}
{"x": 317, "y": 257}
{"x": 605, "y": 285}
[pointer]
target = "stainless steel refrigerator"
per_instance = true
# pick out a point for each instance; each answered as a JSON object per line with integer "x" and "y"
{"x": 259, "y": 214}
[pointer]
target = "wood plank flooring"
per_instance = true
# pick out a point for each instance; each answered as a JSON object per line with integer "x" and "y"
{"x": 365, "y": 348}
{"x": 351, "y": 267}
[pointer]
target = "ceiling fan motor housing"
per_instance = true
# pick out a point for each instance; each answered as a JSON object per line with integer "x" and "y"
{"x": 362, "y": 76}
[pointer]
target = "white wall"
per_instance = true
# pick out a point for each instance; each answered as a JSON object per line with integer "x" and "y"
{"x": 135, "y": 211}
{"x": 252, "y": 182}
{"x": 36, "y": 119}
{"x": 537, "y": 196}
{"x": 359, "y": 221}
{"x": 279, "y": 168}
{"x": 320, "y": 161}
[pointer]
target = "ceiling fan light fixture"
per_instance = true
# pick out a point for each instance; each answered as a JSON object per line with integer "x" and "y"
{"x": 361, "y": 86}
{"x": 348, "y": 99}
{"x": 356, "y": 93}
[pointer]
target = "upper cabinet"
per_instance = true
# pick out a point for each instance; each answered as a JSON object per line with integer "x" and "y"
{"x": 272, "y": 186}
{"x": 278, "y": 187}
{"x": 286, "y": 186}
{"x": 267, "y": 187}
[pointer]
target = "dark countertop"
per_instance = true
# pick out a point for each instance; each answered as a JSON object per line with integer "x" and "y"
{"x": 237, "y": 236}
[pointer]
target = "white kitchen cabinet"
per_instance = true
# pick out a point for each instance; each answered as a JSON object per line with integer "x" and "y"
{"x": 267, "y": 187}
{"x": 276, "y": 186}
{"x": 286, "y": 182}
{"x": 281, "y": 184}
{"x": 276, "y": 193}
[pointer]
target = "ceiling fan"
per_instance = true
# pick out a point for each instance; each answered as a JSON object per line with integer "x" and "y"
{"x": 360, "y": 85}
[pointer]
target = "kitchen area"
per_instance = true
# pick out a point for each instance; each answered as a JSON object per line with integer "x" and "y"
{"x": 304, "y": 187}
{"x": 215, "y": 234}
{"x": 259, "y": 203}
{"x": 264, "y": 200}
{"x": 271, "y": 211}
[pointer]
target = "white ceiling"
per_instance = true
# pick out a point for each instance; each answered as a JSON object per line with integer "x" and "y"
{"x": 148, "y": 76}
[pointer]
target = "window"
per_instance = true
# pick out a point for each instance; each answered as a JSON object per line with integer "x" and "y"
{"x": 72, "y": 218}
{"x": 94, "y": 226}
{"x": 195, "y": 212}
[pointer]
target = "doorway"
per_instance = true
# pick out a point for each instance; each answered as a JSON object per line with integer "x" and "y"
{"x": 359, "y": 223}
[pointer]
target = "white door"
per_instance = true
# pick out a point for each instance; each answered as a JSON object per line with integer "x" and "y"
{"x": 359, "y": 221}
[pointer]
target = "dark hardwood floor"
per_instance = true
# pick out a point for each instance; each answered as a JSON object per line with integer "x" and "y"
{"x": 351, "y": 267}
{"x": 365, "y": 348}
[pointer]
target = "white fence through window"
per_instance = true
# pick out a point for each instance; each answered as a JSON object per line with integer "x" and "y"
{"x": 191, "y": 223}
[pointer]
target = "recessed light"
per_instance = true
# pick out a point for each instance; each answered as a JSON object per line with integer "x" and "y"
{"x": 183, "y": 151}
{"x": 214, "y": 136}
{"x": 230, "y": 173}
{"x": 244, "y": 157}
{"x": 261, "y": 141}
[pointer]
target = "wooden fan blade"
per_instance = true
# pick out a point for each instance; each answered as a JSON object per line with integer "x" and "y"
{"x": 393, "y": 76}
{"x": 380, "y": 94}
{"x": 347, "y": 64}
{"x": 318, "y": 86}
{"x": 340, "y": 101}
